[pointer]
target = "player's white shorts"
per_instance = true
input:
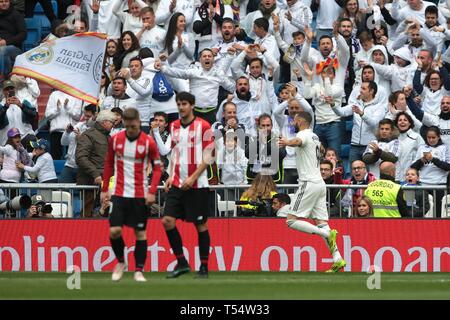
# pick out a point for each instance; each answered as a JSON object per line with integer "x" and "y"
{"x": 310, "y": 201}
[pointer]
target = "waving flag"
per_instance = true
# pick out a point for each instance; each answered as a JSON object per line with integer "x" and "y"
{"x": 70, "y": 64}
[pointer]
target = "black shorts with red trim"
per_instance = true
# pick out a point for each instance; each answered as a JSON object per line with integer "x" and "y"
{"x": 131, "y": 212}
{"x": 190, "y": 205}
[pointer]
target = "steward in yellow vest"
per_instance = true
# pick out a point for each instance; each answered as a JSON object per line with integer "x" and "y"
{"x": 387, "y": 197}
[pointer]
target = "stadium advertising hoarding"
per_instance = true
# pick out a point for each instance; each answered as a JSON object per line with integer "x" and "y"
{"x": 237, "y": 244}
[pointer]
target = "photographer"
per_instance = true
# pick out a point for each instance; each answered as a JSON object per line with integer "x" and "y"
{"x": 16, "y": 113}
{"x": 39, "y": 208}
{"x": 257, "y": 200}
{"x": 279, "y": 201}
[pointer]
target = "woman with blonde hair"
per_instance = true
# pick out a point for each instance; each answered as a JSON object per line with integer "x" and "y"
{"x": 259, "y": 196}
{"x": 364, "y": 207}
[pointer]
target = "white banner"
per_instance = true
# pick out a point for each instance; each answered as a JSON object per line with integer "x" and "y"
{"x": 70, "y": 64}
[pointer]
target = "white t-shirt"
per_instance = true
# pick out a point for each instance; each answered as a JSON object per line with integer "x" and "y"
{"x": 153, "y": 39}
{"x": 308, "y": 157}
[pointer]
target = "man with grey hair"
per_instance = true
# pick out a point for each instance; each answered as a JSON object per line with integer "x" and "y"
{"x": 92, "y": 146}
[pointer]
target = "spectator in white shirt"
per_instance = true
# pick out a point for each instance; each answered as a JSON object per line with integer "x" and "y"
{"x": 151, "y": 36}
{"x": 119, "y": 97}
{"x": 167, "y": 8}
{"x": 180, "y": 46}
{"x": 43, "y": 167}
{"x": 140, "y": 89}
{"x": 266, "y": 40}
{"x": 131, "y": 20}
{"x": 267, "y": 9}
{"x": 62, "y": 110}
{"x": 205, "y": 80}
{"x": 16, "y": 113}
{"x": 207, "y": 21}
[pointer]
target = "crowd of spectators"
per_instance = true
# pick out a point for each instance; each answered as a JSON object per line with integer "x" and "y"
{"x": 252, "y": 65}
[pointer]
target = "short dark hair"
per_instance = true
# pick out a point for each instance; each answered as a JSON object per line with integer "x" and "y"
{"x": 432, "y": 10}
{"x": 120, "y": 78}
{"x": 146, "y": 53}
{"x": 161, "y": 114}
{"x": 325, "y": 36}
{"x": 327, "y": 162}
{"x": 185, "y": 96}
{"x": 229, "y": 20}
{"x": 131, "y": 114}
{"x": 365, "y": 36}
{"x": 206, "y": 49}
{"x": 91, "y": 107}
{"x": 372, "y": 86}
{"x": 386, "y": 121}
{"x": 298, "y": 33}
{"x": 228, "y": 103}
{"x": 265, "y": 116}
{"x": 282, "y": 197}
{"x": 117, "y": 110}
{"x": 345, "y": 20}
{"x": 144, "y": 10}
{"x": 256, "y": 59}
{"x": 368, "y": 67}
{"x": 136, "y": 59}
{"x": 304, "y": 115}
{"x": 242, "y": 77}
{"x": 262, "y": 23}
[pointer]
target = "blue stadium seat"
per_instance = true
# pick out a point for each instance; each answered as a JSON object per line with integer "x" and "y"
{"x": 39, "y": 10}
{"x": 33, "y": 33}
{"x": 59, "y": 165}
{"x": 45, "y": 24}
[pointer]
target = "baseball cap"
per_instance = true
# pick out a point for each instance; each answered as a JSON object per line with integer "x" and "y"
{"x": 13, "y": 132}
{"x": 8, "y": 84}
{"x": 36, "y": 199}
{"x": 40, "y": 144}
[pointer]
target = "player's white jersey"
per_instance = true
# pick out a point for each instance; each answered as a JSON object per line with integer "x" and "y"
{"x": 308, "y": 157}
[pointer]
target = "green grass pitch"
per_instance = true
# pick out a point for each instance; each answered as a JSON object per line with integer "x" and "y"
{"x": 227, "y": 285}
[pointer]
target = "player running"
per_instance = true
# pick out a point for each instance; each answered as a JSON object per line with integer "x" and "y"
{"x": 310, "y": 199}
{"x": 130, "y": 152}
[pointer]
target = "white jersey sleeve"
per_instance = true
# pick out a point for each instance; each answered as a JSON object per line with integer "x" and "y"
{"x": 308, "y": 157}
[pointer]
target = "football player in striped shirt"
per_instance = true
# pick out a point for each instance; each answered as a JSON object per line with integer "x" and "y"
{"x": 130, "y": 152}
{"x": 187, "y": 185}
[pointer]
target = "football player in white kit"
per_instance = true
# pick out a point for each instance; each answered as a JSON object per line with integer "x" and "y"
{"x": 310, "y": 199}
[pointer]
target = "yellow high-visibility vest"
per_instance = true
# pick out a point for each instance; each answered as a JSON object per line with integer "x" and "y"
{"x": 383, "y": 194}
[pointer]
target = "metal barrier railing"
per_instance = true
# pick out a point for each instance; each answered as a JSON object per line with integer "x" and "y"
{"x": 68, "y": 199}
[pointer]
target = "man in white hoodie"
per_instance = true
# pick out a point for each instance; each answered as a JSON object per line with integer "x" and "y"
{"x": 401, "y": 72}
{"x": 205, "y": 80}
{"x": 367, "y": 112}
{"x": 62, "y": 110}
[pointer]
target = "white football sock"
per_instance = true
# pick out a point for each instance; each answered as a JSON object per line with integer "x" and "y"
{"x": 307, "y": 227}
{"x": 336, "y": 254}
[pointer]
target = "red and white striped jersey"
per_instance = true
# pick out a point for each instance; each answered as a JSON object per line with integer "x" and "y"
{"x": 188, "y": 144}
{"x": 129, "y": 162}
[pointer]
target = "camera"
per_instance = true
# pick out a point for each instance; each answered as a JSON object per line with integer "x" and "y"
{"x": 263, "y": 208}
{"x": 19, "y": 202}
{"x": 42, "y": 208}
{"x": 11, "y": 93}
